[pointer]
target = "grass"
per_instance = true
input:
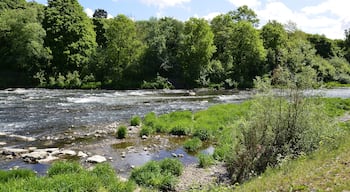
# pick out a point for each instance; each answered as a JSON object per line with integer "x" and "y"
{"x": 121, "y": 132}
{"x": 193, "y": 144}
{"x": 161, "y": 175}
{"x": 135, "y": 121}
{"x": 205, "y": 160}
{"x": 64, "y": 176}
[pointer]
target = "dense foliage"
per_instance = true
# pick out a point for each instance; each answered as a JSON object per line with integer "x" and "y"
{"x": 58, "y": 46}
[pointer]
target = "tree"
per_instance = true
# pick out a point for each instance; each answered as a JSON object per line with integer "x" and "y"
{"x": 197, "y": 50}
{"x": 70, "y": 36}
{"x": 248, "y": 53}
{"x": 244, "y": 13}
{"x": 275, "y": 40}
{"x": 22, "y": 50}
{"x": 122, "y": 51}
{"x": 324, "y": 47}
{"x": 12, "y": 4}
{"x": 163, "y": 39}
{"x": 100, "y": 13}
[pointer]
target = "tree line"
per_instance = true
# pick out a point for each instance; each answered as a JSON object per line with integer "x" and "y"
{"x": 59, "y": 46}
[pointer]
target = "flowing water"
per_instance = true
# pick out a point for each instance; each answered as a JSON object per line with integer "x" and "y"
{"x": 42, "y": 113}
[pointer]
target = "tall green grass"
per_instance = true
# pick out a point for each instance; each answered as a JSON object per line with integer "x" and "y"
{"x": 64, "y": 176}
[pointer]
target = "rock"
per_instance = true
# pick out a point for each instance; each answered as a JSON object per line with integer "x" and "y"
{"x": 68, "y": 152}
{"x": 23, "y": 138}
{"x": 13, "y": 151}
{"x": 181, "y": 155}
{"x": 144, "y": 137}
{"x": 132, "y": 166}
{"x": 31, "y": 149}
{"x": 145, "y": 149}
{"x": 48, "y": 159}
{"x": 9, "y": 157}
{"x": 2, "y": 134}
{"x": 82, "y": 154}
{"x": 3, "y": 143}
{"x": 123, "y": 155}
{"x": 110, "y": 158}
{"x": 96, "y": 159}
{"x": 174, "y": 154}
{"x": 36, "y": 155}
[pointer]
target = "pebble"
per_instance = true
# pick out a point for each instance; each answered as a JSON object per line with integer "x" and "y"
{"x": 144, "y": 137}
{"x": 82, "y": 154}
{"x": 174, "y": 154}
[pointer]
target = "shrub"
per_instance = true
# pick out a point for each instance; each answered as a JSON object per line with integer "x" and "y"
{"x": 60, "y": 168}
{"x": 161, "y": 175}
{"x": 135, "y": 121}
{"x": 193, "y": 145}
{"x": 172, "y": 166}
{"x": 150, "y": 119}
{"x": 146, "y": 130}
{"x": 121, "y": 132}
{"x": 202, "y": 133}
{"x": 205, "y": 160}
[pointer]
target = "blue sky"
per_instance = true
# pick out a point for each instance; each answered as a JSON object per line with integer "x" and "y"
{"x": 328, "y": 17}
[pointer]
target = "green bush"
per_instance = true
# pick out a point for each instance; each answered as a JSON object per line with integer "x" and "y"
{"x": 193, "y": 145}
{"x": 135, "y": 121}
{"x": 6, "y": 176}
{"x": 60, "y": 168}
{"x": 202, "y": 133}
{"x": 205, "y": 160}
{"x": 160, "y": 175}
{"x": 150, "y": 119}
{"x": 146, "y": 130}
{"x": 121, "y": 132}
{"x": 172, "y": 166}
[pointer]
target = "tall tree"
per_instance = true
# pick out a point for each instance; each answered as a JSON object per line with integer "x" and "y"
{"x": 324, "y": 47}
{"x": 123, "y": 49}
{"x": 244, "y": 13}
{"x": 197, "y": 50}
{"x": 70, "y": 36}
{"x": 163, "y": 45}
{"x": 248, "y": 53}
{"x": 22, "y": 50}
{"x": 275, "y": 41}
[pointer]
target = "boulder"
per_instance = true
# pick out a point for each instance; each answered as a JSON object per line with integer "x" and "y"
{"x": 34, "y": 157}
{"x": 48, "y": 159}
{"x": 96, "y": 159}
{"x": 82, "y": 154}
{"x": 68, "y": 152}
{"x": 3, "y": 143}
{"x": 13, "y": 151}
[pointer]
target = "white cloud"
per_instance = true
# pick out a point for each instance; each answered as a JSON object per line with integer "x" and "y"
{"x": 164, "y": 3}
{"x": 109, "y": 16}
{"x": 249, "y": 3}
{"x": 210, "y": 16}
{"x": 329, "y": 17}
{"x": 89, "y": 12}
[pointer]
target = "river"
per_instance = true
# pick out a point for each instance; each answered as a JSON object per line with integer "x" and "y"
{"x": 43, "y": 113}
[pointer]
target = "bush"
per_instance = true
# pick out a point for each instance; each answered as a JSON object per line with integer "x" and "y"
{"x": 135, "y": 121}
{"x": 205, "y": 160}
{"x": 193, "y": 145}
{"x": 146, "y": 130}
{"x": 172, "y": 166}
{"x": 161, "y": 175}
{"x": 150, "y": 119}
{"x": 202, "y": 133}
{"x": 60, "y": 168}
{"x": 121, "y": 132}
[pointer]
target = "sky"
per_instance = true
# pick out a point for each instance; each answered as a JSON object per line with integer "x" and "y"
{"x": 326, "y": 17}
